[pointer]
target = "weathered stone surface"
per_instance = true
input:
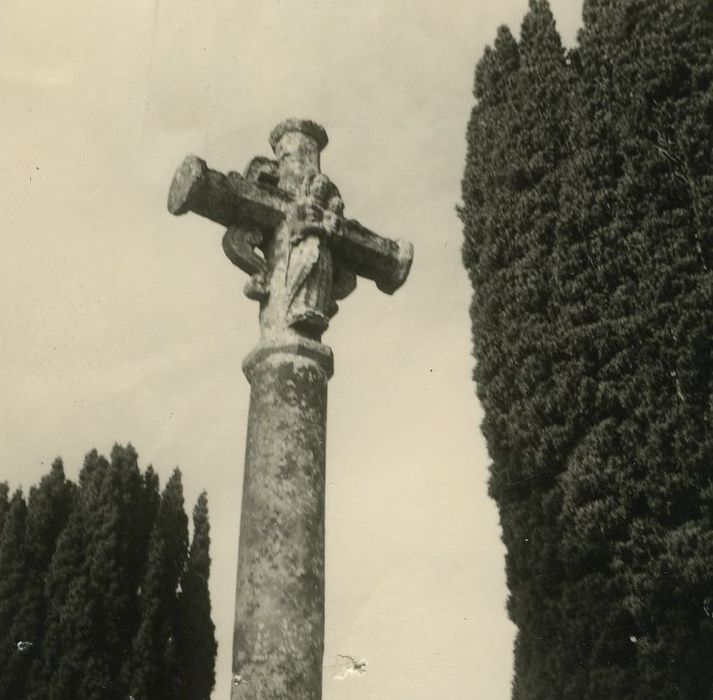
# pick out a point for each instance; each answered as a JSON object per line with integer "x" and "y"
{"x": 279, "y": 616}
{"x": 286, "y": 229}
{"x": 225, "y": 199}
{"x": 387, "y": 262}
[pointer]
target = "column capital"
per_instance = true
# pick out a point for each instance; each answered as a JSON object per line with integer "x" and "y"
{"x": 290, "y": 347}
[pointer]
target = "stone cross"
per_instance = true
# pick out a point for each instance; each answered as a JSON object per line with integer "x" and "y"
{"x": 285, "y": 227}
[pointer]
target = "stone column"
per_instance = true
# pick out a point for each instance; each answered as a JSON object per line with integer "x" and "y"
{"x": 287, "y": 230}
{"x": 279, "y": 618}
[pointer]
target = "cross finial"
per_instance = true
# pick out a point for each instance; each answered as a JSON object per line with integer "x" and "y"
{"x": 286, "y": 229}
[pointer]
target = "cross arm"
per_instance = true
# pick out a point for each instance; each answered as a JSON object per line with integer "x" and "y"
{"x": 233, "y": 200}
{"x": 383, "y": 260}
{"x": 225, "y": 199}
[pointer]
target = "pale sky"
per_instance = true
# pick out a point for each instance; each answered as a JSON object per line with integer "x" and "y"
{"x": 119, "y": 322}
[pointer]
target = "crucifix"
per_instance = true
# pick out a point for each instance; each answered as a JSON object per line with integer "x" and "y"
{"x": 285, "y": 227}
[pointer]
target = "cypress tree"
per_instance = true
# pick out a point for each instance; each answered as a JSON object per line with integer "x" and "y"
{"x": 13, "y": 577}
{"x": 71, "y": 650}
{"x": 596, "y": 324}
{"x": 517, "y": 140}
{"x": 94, "y": 577}
{"x": 621, "y": 406}
{"x": 636, "y": 484}
{"x": 48, "y": 508}
{"x": 4, "y": 502}
{"x": 115, "y": 561}
{"x": 153, "y": 672}
{"x": 196, "y": 642}
{"x": 89, "y": 587}
{"x": 74, "y": 578}
{"x": 150, "y": 503}
{"x": 663, "y": 83}
{"x": 128, "y": 533}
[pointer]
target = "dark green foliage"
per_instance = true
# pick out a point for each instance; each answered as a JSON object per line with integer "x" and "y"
{"x": 153, "y": 672}
{"x": 589, "y": 242}
{"x": 48, "y": 509}
{"x": 114, "y": 565}
{"x": 637, "y": 482}
{"x": 150, "y": 503}
{"x": 197, "y": 647}
{"x": 659, "y": 385}
{"x": 117, "y": 553}
{"x": 13, "y": 576}
{"x": 4, "y": 503}
{"x": 76, "y": 577}
{"x": 96, "y": 577}
{"x": 517, "y": 140}
{"x": 593, "y": 288}
{"x": 70, "y": 660}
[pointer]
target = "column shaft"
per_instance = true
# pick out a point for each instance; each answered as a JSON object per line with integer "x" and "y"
{"x": 279, "y": 619}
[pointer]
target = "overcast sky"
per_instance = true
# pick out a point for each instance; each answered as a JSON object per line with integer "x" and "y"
{"x": 119, "y": 322}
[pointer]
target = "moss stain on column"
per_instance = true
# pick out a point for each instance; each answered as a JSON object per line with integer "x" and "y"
{"x": 279, "y": 622}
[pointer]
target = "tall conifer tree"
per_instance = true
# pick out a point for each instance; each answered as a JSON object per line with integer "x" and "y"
{"x": 517, "y": 140}
{"x": 114, "y": 559}
{"x": 593, "y": 294}
{"x": 635, "y": 483}
{"x": 13, "y": 578}
{"x": 153, "y": 671}
{"x": 71, "y": 664}
{"x": 94, "y": 585}
{"x": 196, "y": 632}
{"x": 150, "y": 503}
{"x": 48, "y": 508}
{"x": 661, "y": 382}
{"x": 4, "y": 502}
{"x": 627, "y": 368}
